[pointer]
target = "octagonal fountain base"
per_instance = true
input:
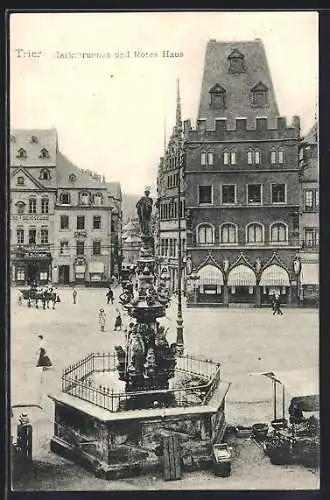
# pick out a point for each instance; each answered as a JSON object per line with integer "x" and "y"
{"x": 94, "y": 428}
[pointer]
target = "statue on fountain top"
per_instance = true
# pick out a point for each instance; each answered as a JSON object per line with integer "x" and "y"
{"x": 144, "y": 210}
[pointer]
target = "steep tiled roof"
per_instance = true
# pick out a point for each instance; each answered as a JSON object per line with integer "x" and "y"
{"x": 114, "y": 189}
{"x": 238, "y": 86}
{"x": 65, "y": 168}
{"x": 311, "y": 137}
{"x": 43, "y": 139}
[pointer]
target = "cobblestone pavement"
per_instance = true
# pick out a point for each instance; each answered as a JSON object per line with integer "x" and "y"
{"x": 244, "y": 340}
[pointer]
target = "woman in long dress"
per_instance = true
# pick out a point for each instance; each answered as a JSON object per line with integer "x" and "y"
{"x": 102, "y": 319}
{"x": 43, "y": 359}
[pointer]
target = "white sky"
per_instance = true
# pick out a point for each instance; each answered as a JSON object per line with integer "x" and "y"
{"x": 109, "y": 113}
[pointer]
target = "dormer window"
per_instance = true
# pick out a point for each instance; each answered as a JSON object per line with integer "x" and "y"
{"x": 34, "y": 139}
{"x": 84, "y": 198}
{"x": 20, "y": 207}
{"x": 217, "y": 96}
{"x": 97, "y": 199}
{"x": 259, "y": 95}
{"x": 65, "y": 198}
{"x": 44, "y": 174}
{"x": 21, "y": 153}
{"x": 236, "y": 62}
{"x": 20, "y": 181}
{"x": 44, "y": 153}
{"x": 72, "y": 178}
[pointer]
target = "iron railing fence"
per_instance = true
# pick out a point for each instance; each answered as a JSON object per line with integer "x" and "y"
{"x": 77, "y": 381}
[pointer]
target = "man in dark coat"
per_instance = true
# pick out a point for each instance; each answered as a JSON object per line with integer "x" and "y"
{"x": 277, "y": 306}
{"x": 118, "y": 321}
{"x": 110, "y": 296}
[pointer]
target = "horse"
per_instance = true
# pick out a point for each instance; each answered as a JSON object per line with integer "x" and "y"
{"x": 36, "y": 295}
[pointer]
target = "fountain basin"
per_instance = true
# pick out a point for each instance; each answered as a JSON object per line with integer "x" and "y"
{"x": 112, "y": 441}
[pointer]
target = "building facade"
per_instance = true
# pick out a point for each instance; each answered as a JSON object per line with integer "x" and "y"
{"x": 241, "y": 176}
{"x": 169, "y": 176}
{"x": 115, "y": 201}
{"x": 309, "y": 220}
{"x": 61, "y": 216}
{"x": 33, "y": 186}
{"x": 82, "y": 227}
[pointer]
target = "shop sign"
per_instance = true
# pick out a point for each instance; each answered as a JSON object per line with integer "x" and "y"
{"x": 80, "y": 270}
{"x": 30, "y": 217}
{"x": 36, "y": 255}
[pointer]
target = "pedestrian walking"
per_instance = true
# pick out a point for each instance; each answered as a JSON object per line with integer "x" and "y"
{"x": 102, "y": 318}
{"x": 273, "y": 300}
{"x": 74, "y": 295}
{"x": 109, "y": 296}
{"x": 277, "y": 307}
{"x": 118, "y": 322}
{"x": 43, "y": 359}
{"x": 54, "y": 296}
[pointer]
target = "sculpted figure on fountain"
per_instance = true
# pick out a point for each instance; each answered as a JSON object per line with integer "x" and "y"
{"x": 144, "y": 210}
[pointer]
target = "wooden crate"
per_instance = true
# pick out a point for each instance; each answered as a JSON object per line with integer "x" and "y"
{"x": 172, "y": 458}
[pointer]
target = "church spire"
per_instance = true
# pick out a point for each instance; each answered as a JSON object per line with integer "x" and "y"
{"x": 165, "y": 145}
{"x": 178, "y": 120}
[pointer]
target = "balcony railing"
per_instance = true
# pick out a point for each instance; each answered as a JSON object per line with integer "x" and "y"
{"x": 307, "y": 244}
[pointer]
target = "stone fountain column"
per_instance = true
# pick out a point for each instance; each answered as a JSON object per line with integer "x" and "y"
{"x": 149, "y": 361}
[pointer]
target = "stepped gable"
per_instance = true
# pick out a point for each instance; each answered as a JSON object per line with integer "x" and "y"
{"x": 42, "y": 139}
{"x": 255, "y": 73}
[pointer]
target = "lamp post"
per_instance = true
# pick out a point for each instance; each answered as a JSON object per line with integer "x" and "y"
{"x": 297, "y": 270}
{"x": 194, "y": 277}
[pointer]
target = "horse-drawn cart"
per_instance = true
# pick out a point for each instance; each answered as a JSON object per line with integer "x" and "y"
{"x": 36, "y": 295}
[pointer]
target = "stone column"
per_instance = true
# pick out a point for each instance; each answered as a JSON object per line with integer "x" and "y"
{"x": 258, "y": 296}
{"x": 225, "y": 295}
{"x": 290, "y": 295}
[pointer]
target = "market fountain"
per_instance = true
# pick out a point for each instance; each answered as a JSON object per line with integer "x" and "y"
{"x": 119, "y": 431}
